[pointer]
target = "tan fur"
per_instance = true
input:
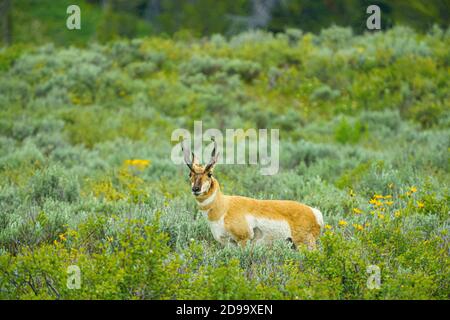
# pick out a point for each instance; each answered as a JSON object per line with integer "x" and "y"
{"x": 301, "y": 220}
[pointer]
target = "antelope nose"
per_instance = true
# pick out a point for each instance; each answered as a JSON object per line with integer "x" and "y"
{"x": 195, "y": 189}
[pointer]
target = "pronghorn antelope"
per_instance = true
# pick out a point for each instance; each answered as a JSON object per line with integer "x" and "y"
{"x": 240, "y": 220}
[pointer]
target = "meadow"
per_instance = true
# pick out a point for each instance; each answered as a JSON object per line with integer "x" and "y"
{"x": 86, "y": 177}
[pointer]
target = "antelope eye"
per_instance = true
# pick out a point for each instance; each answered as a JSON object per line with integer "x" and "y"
{"x": 209, "y": 174}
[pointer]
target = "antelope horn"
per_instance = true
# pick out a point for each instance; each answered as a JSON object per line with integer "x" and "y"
{"x": 187, "y": 156}
{"x": 214, "y": 156}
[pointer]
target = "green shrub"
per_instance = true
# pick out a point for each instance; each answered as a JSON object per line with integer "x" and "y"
{"x": 346, "y": 132}
{"x": 324, "y": 93}
{"x": 55, "y": 184}
{"x": 209, "y": 66}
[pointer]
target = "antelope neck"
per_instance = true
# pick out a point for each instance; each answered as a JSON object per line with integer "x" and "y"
{"x": 207, "y": 197}
{"x": 207, "y": 201}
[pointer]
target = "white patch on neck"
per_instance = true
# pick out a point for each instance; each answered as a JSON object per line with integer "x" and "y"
{"x": 208, "y": 200}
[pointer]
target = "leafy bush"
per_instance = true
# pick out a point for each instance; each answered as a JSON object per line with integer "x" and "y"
{"x": 55, "y": 184}
{"x": 349, "y": 133}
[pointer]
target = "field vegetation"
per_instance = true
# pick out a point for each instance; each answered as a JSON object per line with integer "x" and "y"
{"x": 86, "y": 177}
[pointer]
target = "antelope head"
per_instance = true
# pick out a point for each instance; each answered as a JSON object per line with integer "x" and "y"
{"x": 199, "y": 175}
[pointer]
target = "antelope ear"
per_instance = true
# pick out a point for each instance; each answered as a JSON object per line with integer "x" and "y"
{"x": 214, "y": 157}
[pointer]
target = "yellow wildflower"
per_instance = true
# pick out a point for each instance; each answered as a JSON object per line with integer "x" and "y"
{"x": 327, "y": 226}
{"x": 397, "y": 214}
{"x": 420, "y": 205}
{"x": 358, "y": 227}
{"x": 388, "y": 196}
{"x": 342, "y": 223}
{"x": 62, "y": 237}
{"x": 352, "y": 193}
{"x": 357, "y": 210}
{"x": 375, "y": 202}
{"x": 378, "y": 196}
{"x": 72, "y": 233}
{"x": 381, "y": 216}
{"x": 413, "y": 189}
{"x": 137, "y": 163}
{"x": 389, "y": 203}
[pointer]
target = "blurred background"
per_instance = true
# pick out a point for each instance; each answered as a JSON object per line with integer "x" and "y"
{"x": 38, "y": 21}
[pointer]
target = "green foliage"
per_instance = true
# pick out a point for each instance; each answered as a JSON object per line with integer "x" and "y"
{"x": 44, "y": 20}
{"x": 86, "y": 177}
{"x": 9, "y": 54}
{"x": 349, "y": 133}
{"x": 207, "y": 66}
{"x": 324, "y": 93}
{"x": 54, "y": 184}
